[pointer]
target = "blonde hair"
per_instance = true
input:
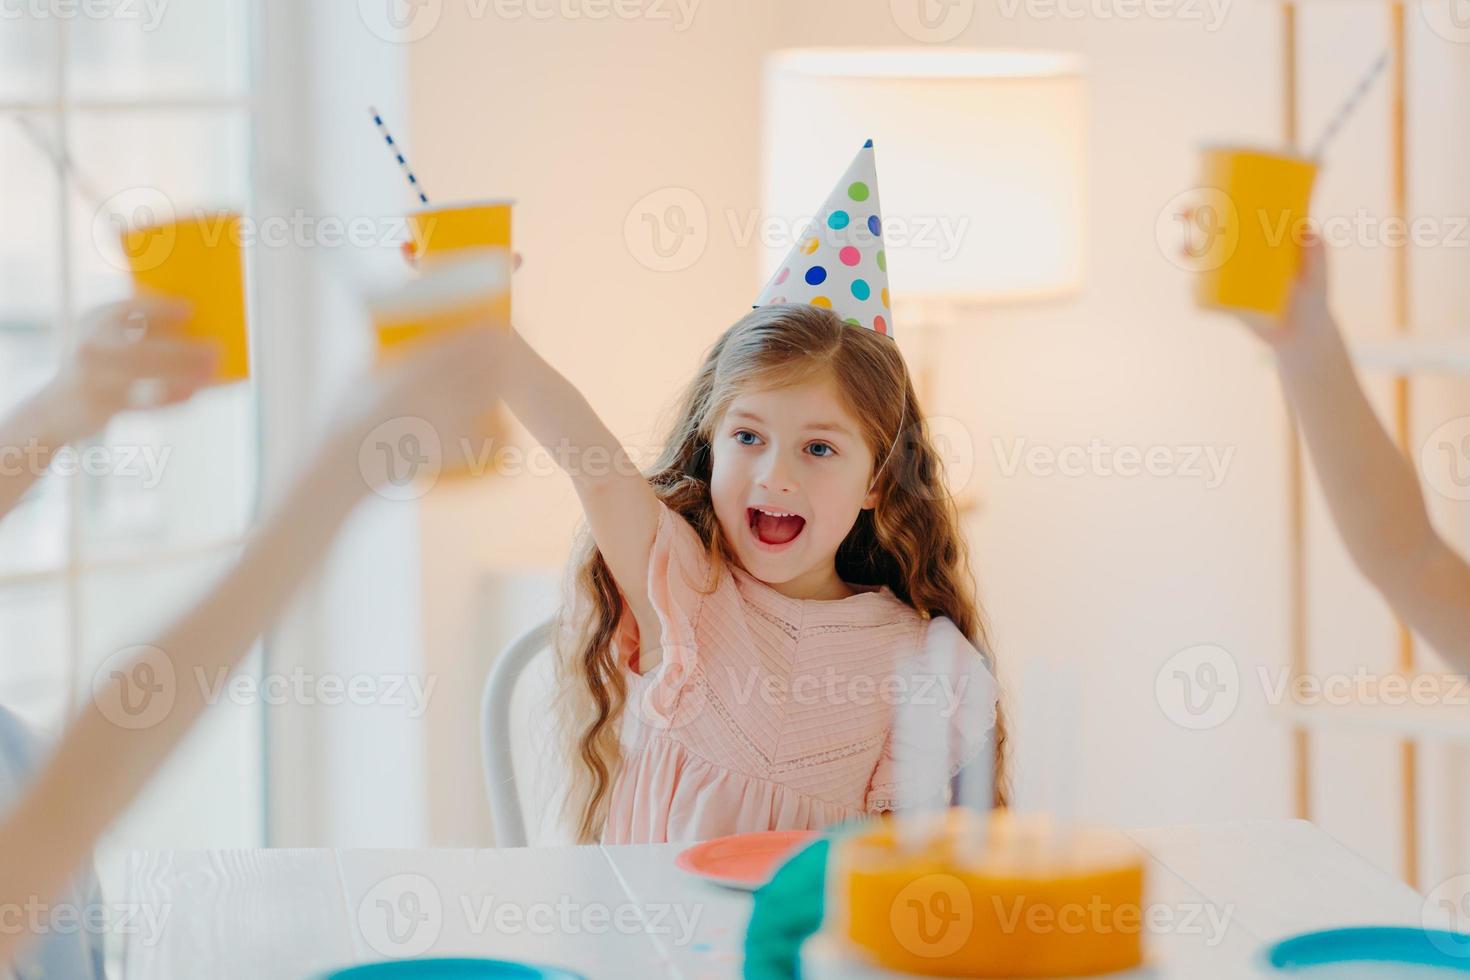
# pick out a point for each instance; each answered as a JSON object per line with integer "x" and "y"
{"x": 910, "y": 541}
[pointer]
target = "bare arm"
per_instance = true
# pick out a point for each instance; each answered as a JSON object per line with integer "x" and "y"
{"x": 29, "y": 438}
{"x": 621, "y": 508}
{"x": 1372, "y": 490}
{"x": 95, "y": 384}
{"x": 105, "y": 756}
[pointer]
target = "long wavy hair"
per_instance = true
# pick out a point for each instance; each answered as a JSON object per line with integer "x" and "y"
{"x": 910, "y": 541}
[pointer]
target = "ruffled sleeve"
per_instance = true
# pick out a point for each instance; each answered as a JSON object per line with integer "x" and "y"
{"x": 948, "y": 697}
{"x": 679, "y": 582}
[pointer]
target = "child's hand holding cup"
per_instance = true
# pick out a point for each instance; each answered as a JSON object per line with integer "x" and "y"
{"x": 131, "y": 355}
{"x": 466, "y": 293}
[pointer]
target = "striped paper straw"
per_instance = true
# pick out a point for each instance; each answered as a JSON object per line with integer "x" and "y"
{"x": 1349, "y": 106}
{"x": 413, "y": 181}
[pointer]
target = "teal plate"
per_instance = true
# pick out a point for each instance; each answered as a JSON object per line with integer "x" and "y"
{"x": 455, "y": 969}
{"x": 1374, "y": 944}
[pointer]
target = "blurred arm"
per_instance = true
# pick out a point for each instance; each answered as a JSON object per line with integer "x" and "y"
{"x": 101, "y": 766}
{"x": 1374, "y": 495}
{"x": 29, "y": 437}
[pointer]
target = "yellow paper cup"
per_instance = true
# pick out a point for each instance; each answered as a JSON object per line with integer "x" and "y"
{"x": 443, "y": 232}
{"x": 198, "y": 259}
{"x": 439, "y": 230}
{"x": 468, "y": 290}
{"x": 1248, "y": 229}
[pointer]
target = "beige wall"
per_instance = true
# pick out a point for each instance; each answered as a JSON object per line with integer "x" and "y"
{"x": 580, "y": 120}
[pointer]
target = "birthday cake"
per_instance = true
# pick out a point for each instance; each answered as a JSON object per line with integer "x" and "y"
{"x": 985, "y": 896}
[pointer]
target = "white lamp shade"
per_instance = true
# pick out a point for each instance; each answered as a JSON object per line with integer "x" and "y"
{"x": 980, "y": 163}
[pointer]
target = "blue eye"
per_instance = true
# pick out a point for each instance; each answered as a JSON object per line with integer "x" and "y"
{"x": 740, "y": 435}
{"x": 822, "y": 445}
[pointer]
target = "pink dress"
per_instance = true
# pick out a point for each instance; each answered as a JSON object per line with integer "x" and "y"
{"x": 767, "y": 712}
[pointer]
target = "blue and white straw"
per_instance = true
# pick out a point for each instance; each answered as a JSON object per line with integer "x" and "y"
{"x": 1349, "y": 105}
{"x": 413, "y": 181}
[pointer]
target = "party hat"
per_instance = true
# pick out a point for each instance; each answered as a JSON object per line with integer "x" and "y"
{"x": 839, "y": 263}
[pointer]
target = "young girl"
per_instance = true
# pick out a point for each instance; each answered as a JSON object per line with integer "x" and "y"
{"x": 1371, "y": 489}
{"x": 734, "y": 652}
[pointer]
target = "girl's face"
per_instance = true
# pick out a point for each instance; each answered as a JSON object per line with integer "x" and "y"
{"x": 791, "y": 473}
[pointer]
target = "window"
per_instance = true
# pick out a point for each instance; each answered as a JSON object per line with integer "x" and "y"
{"x": 144, "y": 99}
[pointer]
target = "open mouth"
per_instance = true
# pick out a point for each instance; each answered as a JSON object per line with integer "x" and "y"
{"x": 774, "y": 528}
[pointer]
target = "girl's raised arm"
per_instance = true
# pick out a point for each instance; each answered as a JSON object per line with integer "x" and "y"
{"x": 621, "y": 508}
{"x": 1371, "y": 489}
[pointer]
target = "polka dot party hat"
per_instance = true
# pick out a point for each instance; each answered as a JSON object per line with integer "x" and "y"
{"x": 839, "y": 263}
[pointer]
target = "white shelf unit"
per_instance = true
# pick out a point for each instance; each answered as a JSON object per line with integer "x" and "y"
{"x": 1442, "y": 355}
{"x": 1442, "y": 722}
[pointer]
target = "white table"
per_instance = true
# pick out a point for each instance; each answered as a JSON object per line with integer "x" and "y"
{"x": 1219, "y": 892}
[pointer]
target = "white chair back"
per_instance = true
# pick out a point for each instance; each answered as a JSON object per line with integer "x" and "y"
{"x": 495, "y": 732}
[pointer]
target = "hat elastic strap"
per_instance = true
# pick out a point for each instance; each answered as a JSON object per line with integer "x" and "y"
{"x": 903, "y": 414}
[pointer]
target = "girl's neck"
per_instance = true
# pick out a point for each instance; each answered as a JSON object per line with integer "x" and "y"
{"x": 819, "y": 583}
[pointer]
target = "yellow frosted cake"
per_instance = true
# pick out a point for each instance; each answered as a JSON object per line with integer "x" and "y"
{"x": 992, "y": 896}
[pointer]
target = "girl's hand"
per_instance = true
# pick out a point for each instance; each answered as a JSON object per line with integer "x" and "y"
{"x": 123, "y": 345}
{"x": 1306, "y": 321}
{"x": 450, "y": 382}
